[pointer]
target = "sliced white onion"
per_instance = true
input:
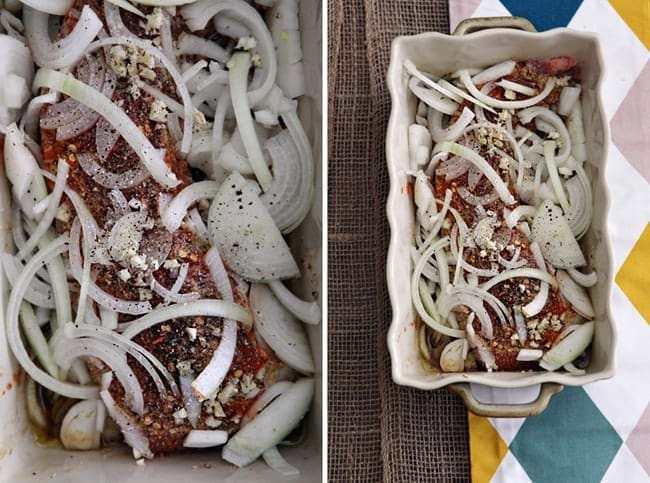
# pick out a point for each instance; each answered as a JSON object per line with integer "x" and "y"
{"x": 127, "y": 6}
{"x": 493, "y": 102}
{"x": 538, "y": 303}
{"x": 133, "y": 435}
{"x": 192, "y": 404}
{"x": 79, "y": 426}
{"x": 289, "y": 196}
{"x": 568, "y": 97}
{"x": 106, "y": 137}
{"x": 515, "y": 87}
{"x": 36, "y": 339}
{"x": 244, "y": 232}
{"x": 21, "y": 169}
{"x": 280, "y": 330}
{"x": 202, "y": 307}
{"x": 52, "y": 207}
{"x": 451, "y": 132}
{"x": 109, "y": 179}
{"x": 270, "y": 426}
{"x": 205, "y": 438}
{"x": 499, "y": 185}
{"x": 276, "y": 462}
{"x": 480, "y": 347}
{"x": 452, "y": 358}
{"x": 568, "y": 348}
{"x": 30, "y": 119}
{"x": 175, "y": 211}
{"x": 580, "y": 201}
{"x": 584, "y": 279}
{"x": 238, "y": 68}
{"x": 432, "y": 98}
{"x": 519, "y": 212}
{"x": 545, "y": 114}
{"x": 537, "y": 273}
{"x": 267, "y": 397}
{"x": 219, "y": 273}
{"x": 146, "y": 359}
{"x": 36, "y": 292}
{"x": 67, "y": 350}
{"x": 198, "y": 14}
{"x": 208, "y": 381}
{"x": 576, "y": 130}
{"x": 74, "y": 391}
{"x": 443, "y": 87}
{"x": 308, "y": 312}
{"x": 494, "y": 72}
{"x": 575, "y": 294}
{"x": 529, "y": 355}
{"x": 150, "y": 156}
{"x": 189, "y": 44}
{"x": 67, "y": 51}
{"x": 54, "y": 7}
{"x": 551, "y": 230}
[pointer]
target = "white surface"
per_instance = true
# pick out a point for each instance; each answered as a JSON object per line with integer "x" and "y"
{"x": 21, "y": 460}
{"x": 439, "y": 54}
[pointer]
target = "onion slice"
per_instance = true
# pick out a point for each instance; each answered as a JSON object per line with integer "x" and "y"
{"x": 280, "y": 330}
{"x": 493, "y": 102}
{"x": 239, "y": 66}
{"x": 205, "y": 438}
{"x": 53, "y": 249}
{"x": 244, "y": 232}
{"x": 209, "y": 380}
{"x": 150, "y": 156}
{"x": 172, "y": 216}
{"x": 470, "y": 155}
{"x": 569, "y": 347}
{"x": 276, "y": 462}
{"x": 271, "y": 426}
{"x": 202, "y": 307}
{"x": 308, "y": 312}
{"x": 133, "y": 435}
{"x": 67, "y": 51}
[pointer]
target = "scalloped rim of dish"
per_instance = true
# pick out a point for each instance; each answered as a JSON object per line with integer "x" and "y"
{"x": 495, "y": 379}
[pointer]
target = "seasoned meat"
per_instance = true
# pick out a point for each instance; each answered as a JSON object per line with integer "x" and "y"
{"x": 544, "y": 328}
{"x": 180, "y": 350}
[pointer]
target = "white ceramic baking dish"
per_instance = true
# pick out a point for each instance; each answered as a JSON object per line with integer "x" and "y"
{"x": 479, "y": 43}
{"x": 22, "y": 460}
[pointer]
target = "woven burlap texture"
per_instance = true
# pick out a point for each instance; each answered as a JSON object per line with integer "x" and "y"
{"x": 377, "y": 431}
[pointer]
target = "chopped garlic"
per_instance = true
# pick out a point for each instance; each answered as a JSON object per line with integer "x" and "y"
{"x": 180, "y": 416}
{"x": 139, "y": 262}
{"x": 226, "y": 393}
{"x": 155, "y": 19}
{"x": 191, "y": 333}
{"x": 169, "y": 264}
{"x": 124, "y": 274}
{"x": 212, "y": 422}
{"x": 158, "y": 111}
{"x": 145, "y": 294}
{"x": 510, "y": 94}
{"x": 246, "y": 43}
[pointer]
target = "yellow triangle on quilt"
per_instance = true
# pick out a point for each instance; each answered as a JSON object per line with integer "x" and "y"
{"x": 634, "y": 275}
{"x": 486, "y": 448}
{"x": 636, "y": 14}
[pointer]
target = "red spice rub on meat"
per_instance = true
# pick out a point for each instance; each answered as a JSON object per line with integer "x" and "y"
{"x": 180, "y": 350}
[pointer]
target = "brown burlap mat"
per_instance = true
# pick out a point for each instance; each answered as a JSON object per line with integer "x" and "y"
{"x": 378, "y": 431}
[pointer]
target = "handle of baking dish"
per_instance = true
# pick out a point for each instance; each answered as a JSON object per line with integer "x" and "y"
{"x": 533, "y": 408}
{"x": 470, "y": 25}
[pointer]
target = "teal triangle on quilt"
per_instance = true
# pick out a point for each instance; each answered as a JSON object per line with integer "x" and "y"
{"x": 571, "y": 441}
{"x": 544, "y": 14}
